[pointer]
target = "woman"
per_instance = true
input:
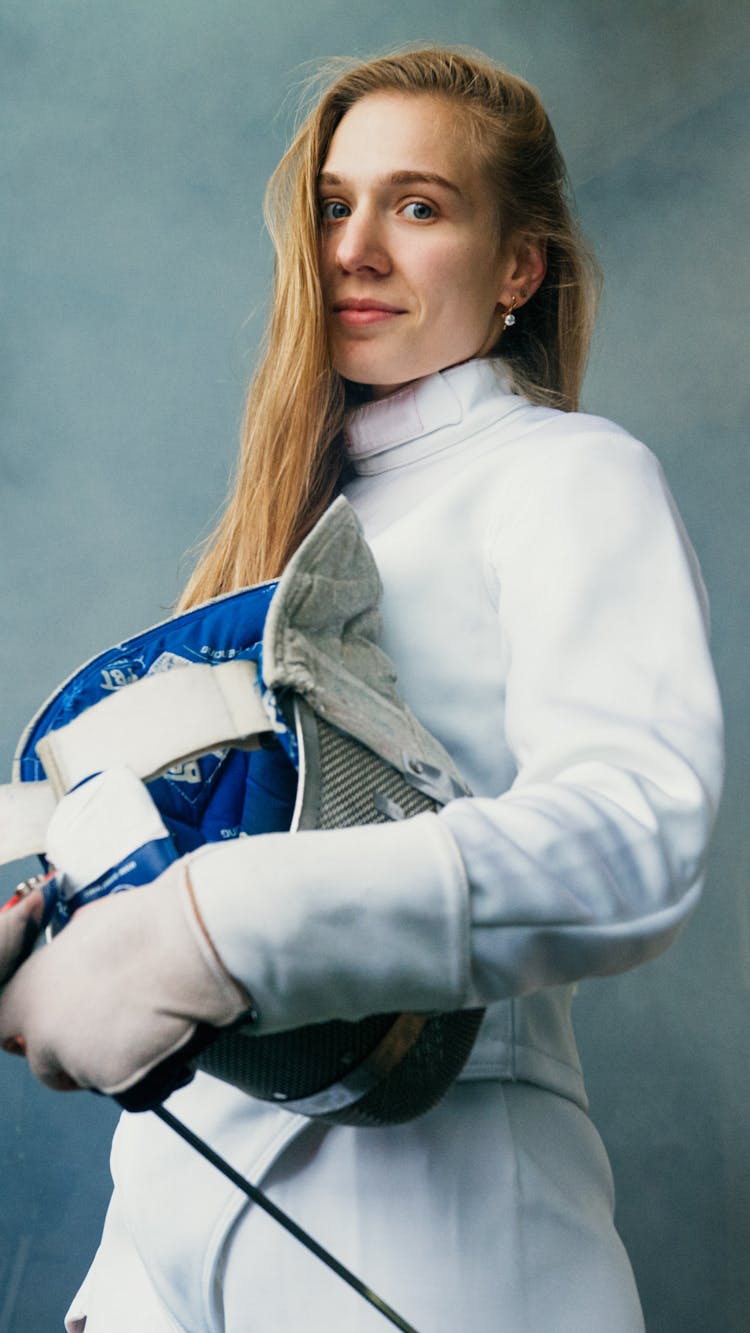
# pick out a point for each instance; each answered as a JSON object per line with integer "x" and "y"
{"x": 432, "y": 311}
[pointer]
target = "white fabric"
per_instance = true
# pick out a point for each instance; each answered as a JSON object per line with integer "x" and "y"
{"x": 550, "y": 1260}
{"x": 288, "y": 949}
{"x": 25, "y": 811}
{"x": 544, "y": 612}
{"x": 543, "y": 609}
{"x": 99, "y": 825}
{"x": 120, "y": 989}
{"x": 157, "y": 721}
{"x": 118, "y": 1268}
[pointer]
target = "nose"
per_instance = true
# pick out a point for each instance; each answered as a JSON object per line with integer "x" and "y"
{"x": 360, "y": 244}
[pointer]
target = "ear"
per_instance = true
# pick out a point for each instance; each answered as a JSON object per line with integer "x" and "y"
{"x": 524, "y": 272}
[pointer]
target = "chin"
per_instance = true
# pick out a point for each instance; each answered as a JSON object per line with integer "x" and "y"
{"x": 386, "y": 378}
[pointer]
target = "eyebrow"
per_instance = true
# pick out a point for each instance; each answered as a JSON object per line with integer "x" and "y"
{"x": 398, "y": 178}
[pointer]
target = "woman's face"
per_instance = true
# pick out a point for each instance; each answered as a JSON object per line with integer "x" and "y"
{"x": 412, "y": 276}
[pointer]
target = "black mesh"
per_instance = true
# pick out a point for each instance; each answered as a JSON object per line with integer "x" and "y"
{"x": 294, "y": 1064}
{"x": 423, "y": 1076}
{"x": 352, "y": 777}
{"x": 349, "y": 785}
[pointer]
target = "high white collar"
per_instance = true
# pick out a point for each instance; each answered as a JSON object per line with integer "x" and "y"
{"x": 428, "y": 415}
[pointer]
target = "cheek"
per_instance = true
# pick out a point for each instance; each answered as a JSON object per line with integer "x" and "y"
{"x": 459, "y": 284}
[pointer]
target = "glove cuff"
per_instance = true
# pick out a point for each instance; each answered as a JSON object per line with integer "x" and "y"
{"x": 223, "y": 999}
{"x": 340, "y": 924}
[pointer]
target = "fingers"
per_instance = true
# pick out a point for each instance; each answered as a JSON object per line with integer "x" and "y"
{"x": 15, "y": 1046}
{"x": 19, "y": 927}
{"x": 60, "y": 1082}
{"x": 51, "y": 1076}
{"x": 118, "y": 992}
{"x": 46, "y": 1068}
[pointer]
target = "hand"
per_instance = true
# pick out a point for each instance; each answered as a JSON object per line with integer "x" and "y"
{"x": 122, "y": 988}
{"x": 19, "y": 927}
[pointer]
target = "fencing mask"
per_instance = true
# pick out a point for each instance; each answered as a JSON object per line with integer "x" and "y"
{"x": 268, "y": 709}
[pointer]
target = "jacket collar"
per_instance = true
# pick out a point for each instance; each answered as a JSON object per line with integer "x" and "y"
{"x": 429, "y": 415}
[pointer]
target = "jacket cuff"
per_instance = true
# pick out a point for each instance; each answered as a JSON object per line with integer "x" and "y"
{"x": 341, "y": 924}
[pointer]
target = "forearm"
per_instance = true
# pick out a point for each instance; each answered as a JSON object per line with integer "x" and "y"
{"x": 489, "y": 899}
{"x": 340, "y": 924}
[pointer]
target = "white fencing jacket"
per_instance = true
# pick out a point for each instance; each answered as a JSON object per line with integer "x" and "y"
{"x": 547, "y": 620}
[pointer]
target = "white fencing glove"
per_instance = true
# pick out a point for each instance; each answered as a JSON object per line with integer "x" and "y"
{"x": 120, "y": 990}
{"x": 133, "y": 981}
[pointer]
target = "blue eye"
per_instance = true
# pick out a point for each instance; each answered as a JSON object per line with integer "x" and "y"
{"x": 332, "y": 210}
{"x": 421, "y": 212}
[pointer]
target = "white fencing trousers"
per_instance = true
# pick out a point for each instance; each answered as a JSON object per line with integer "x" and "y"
{"x": 492, "y": 1213}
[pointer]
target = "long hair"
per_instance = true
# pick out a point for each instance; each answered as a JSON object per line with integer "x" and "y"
{"x": 291, "y": 455}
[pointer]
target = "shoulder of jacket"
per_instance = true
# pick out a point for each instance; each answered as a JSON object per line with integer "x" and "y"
{"x": 568, "y": 468}
{"x": 563, "y": 442}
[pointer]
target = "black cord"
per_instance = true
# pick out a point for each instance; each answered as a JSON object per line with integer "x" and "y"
{"x": 282, "y": 1218}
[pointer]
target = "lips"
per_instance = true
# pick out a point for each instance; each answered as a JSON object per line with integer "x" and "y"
{"x": 358, "y": 311}
{"x": 366, "y": 303}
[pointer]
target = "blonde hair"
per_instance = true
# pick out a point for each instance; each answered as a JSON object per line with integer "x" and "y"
{"x": 291, "y": 456}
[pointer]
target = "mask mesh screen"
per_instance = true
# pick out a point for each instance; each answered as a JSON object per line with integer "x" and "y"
{"x": 347, "y": 785}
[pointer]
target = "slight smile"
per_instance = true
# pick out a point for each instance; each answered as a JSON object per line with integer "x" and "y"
{"x": 358, "y": 311}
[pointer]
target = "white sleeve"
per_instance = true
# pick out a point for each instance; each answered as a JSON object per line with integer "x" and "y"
{"x": 592, "y": 860}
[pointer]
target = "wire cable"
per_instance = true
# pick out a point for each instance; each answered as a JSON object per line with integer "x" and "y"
{"x": 283, "y": 1219}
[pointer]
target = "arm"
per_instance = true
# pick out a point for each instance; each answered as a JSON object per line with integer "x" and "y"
{"x": 590, "y": 862}
{"x": 593, "y": 859}
{"x": 612, "y": 711}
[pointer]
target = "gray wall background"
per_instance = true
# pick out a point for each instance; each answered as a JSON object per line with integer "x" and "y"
{"x": 136, "y": 139}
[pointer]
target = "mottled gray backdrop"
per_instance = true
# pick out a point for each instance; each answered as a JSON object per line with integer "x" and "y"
{"x": 135, "y": 140}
